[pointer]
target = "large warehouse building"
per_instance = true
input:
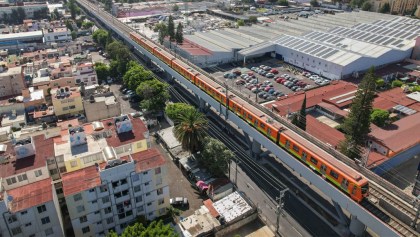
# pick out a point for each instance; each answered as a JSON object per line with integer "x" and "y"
{"x": 344, "y": 50}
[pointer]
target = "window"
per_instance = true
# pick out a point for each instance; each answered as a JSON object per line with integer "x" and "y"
{"x": 65, "y": 108}
{"x": 147, "y": 194}
{"x": 108, "y": 210}
{"x": 80, "y": 208}
{"x": 147, "y": 183}
{"x": 140, "y": 209}
{"x": 105, "y": 199}
{"x": 72, "y": 107}
{"x": 83, "y": 219}
{"x": 22, "y": 177}
{"x": 103, "y": 189}
{"x": 139, "y": 145}
{"x": 296, "y": 148}
{"x": 99, "y": 223}
{"x": 45, "y": 220}
{"x": 304, "y": 155}
{"x": 314, "y": 161}
{"x": 12, "y": 219}
{"x": 135, "y": 177}
{"x": 42, "y": 209}
{"x": 24, "y": 212}
{"x": 11, "y": 181}
{"x": 262, "y": 125}
{"x": 145, "y": 173}
{"x": 73, "y": 163}
{"x": 159, "y": 191}
{"x": 137, "y": 188}
{"x": 158, "y": 170}
{"x": 91, "y": 190}
{"x": 150, "y": 213}
{"x": 94, "y": 201}
{"x": 96, "y": 212}
{"x": 77, "y": 197}
{"x": 59, "y": 190}
{"x": 49, "y": 231}
{"x": 85, "y": 229}
{"x": 287, "y": 143}
{"x": 323, "y": 168}
{"x": 139, "y": 199}
{"x": 28, "y": 224}
{"x": 16, "y": 231}
{"x": 161, "y": 201}
{"x": 109, "y": 220}
{"x": 149, "y": 204}
{"x": 334, "y": 174}
{"x": 53, "y": 172}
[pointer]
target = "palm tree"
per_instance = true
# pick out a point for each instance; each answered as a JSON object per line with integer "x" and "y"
{"x": 190, "y": 129}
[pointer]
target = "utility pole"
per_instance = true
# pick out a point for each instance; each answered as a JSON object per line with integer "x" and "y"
{"x": 280, "y": 205}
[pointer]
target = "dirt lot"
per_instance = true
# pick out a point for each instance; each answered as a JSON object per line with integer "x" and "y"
{"x": 218, "y": 73}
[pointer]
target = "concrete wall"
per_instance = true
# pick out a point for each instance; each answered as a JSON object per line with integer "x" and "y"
{"x": 223, "y": 230}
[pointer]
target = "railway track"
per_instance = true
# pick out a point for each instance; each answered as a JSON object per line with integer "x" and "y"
{"x": 385, "y": 191}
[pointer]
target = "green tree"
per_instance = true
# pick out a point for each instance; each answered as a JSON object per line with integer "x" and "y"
{"x": 100, "y": 36}
{"x": 240, "y": 22}
{"x": 173, "y": 110}
{"x": 302, "y": 115}
{"x": 73, "y": 35}
{"x": 154, "y": 95}
{"x": 109, "y": 38}
{"x": 314, "y": 3}
{"x": 163, "y": 32}
{"x": 20, "y": 15}
{"x": 179, "y": 37}
{"x": 253, "y": 19}
{"x": 102, "y": 71}
{"x": 272, "y": 1}
{"x": 73, "y": 9}
{"x": 87, "y": 24}
{"x": 171, "y": 28}
{"x": 69, "y": 25}
{"x": 113, "y": 69}
{"x": 190, "y": 130}
{"x": 397, "y": 83}
{"x": 135, "y": 76}
{"x": 386, "y": 8}
{"x": 380, "y": 82}
{"x": 357, "y": 124}
{"x": 55, "y": 13}
{"x": 156, "y": 228}
{"x": 379, "y": 117}
{"x": 116, "y": 49}
{"x": 366, "y": 6}
{"x": 175, "y": 8}
{"x": 216, "y": 156}
{"x": 283, "y": 3}
{"x": 295, "y": 119}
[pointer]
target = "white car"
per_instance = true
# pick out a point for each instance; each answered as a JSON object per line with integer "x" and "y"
{"x": 182, "y": 201}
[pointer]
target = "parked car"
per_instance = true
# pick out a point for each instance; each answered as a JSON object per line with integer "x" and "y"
{"x": 261, "y": 94}
{"x": 240, "y": 82}
{"x": 267, "y": 68}
{"x": 178, "y": 201}
{"x": 274, "y": 71}
{"x": 269, "y": 75}
{"x": 261, "y": 66}
{"x": 226, "y": 75}
{"x": 236, "y": 72}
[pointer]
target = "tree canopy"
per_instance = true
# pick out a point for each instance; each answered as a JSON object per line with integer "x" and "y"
{"x": 190, "y": 130}
{"x": 397, "y": 83}
{"x": 386, "y": 8}
{"x": 87, "y": 24}
{"x": 179, "y": 35}
{"x": 253, "y": 19}
{"x": 119, "y": 53}
{"x": 156, "y": 228}
{"x": 74, "y": 9}
{"x": 216, "y": 156}
{"x": 171, "y": 28}
{"x": 357, "y": 124}
{"x": 99, "y": 37}
{"x": 163, "y": 32}
{"x": 135, "y": 75}
{"x": 173, "y": 110}
{"x": 314, "y": 3}
{"x": 283, "y": 3}
{"x": 366, "y": 6}
{"x": 154, "y": 94}
{"x": 379, "y": 117}
{"x": 240, "y": 22}
{"x": 102, "y": 71}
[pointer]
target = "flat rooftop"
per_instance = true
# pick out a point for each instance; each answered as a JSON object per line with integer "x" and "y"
{"x": 80, "y": 180}
{"x": 21, "y": 35}
{"x": 232, "y": 206}
{"x": 44, "y": 149}
{"x": 31, "y": 195}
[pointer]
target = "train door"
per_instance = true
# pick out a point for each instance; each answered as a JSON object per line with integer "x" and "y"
{"x": 323, "y": 169}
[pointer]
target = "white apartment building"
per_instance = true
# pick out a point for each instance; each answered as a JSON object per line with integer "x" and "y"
{"x": 59, "y": 34}
{"x": 28, "y": 7}
{"x": 85, "y": 72}
{"x": 28, "y": 201}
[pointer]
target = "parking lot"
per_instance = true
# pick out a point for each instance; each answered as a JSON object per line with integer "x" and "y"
{"x": 265, "y": 81}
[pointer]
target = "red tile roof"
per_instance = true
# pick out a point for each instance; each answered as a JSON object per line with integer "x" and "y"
{"x": 30, "y": 195}
{"x": 400, "y": 135}
{"x": 382, "y": 103}
{"x": 148, "y": 159}
{"x": 44, "y": 149}
{"x": 80, "y": 180}
{"x": 65, "y": 124}
{"x": 375, "y": 159}
{"x": 136, "y": 134}
{"x": 397, "y": 96}
{"x": 209, "y": 204}
{"x": 323, "y": 132}
{"x": 293, "y": 102}
{"x": 332, "y": 108}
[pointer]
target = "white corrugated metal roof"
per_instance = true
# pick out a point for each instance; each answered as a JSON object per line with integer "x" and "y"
{"x": 21, "y": 35}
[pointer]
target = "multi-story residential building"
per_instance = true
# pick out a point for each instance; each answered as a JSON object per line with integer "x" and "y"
{"x": 66, "y": 101}
{"x": 28, "y": 7}
{"x": 59, "y": 34}
{"x": 101, "y": 106}
{"x": 85, "y": 72}
{"x": 403, "y": 6}
{"x": 11, "y": 81}
{"x": 27, "y": 198}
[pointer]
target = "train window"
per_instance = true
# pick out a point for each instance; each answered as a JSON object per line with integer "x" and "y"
{"x": 262, "y": 125}
{"x": 256, "y": 123}
{"x": 365, "y": 188}
{"x": 268, "y": 130}
{"x": 304, "y": 155}
{"x": 315, "y": 162}
{"x": 249, "y": 116}
{"x": 324, "y": 168}
{"x": 354, "y": 190}
{"x": 296, "y": 148}
{"x": 344, "y": 183}
{"x": 287, "y": 143}
{"x": 334, "y": 174}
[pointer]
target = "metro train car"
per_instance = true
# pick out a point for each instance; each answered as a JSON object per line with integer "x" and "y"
{"x": 332, "y": 170}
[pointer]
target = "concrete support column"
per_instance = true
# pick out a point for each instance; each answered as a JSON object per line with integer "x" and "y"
{"x": 255, "y": 149}
{"x": 341, "y": 215}
{"x": 356, "y": 227}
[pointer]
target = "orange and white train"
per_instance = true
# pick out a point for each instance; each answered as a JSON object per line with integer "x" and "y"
{"x": 342, "y": 177}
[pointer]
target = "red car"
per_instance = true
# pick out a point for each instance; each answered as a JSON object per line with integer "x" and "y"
{"x": 250, "y": 74}
{"x": 274, "y": 71}
{"x": 237, "y": 72}
{"x": 240, "y": 82}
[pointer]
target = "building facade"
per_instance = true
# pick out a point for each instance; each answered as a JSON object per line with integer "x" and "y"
{"x": 403, "y": 7}
{"x": 101, "y": 106}
{"x": 67, "y": 101}
{"x": 58, "y": 34}
{"x": 11, "y": 81}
